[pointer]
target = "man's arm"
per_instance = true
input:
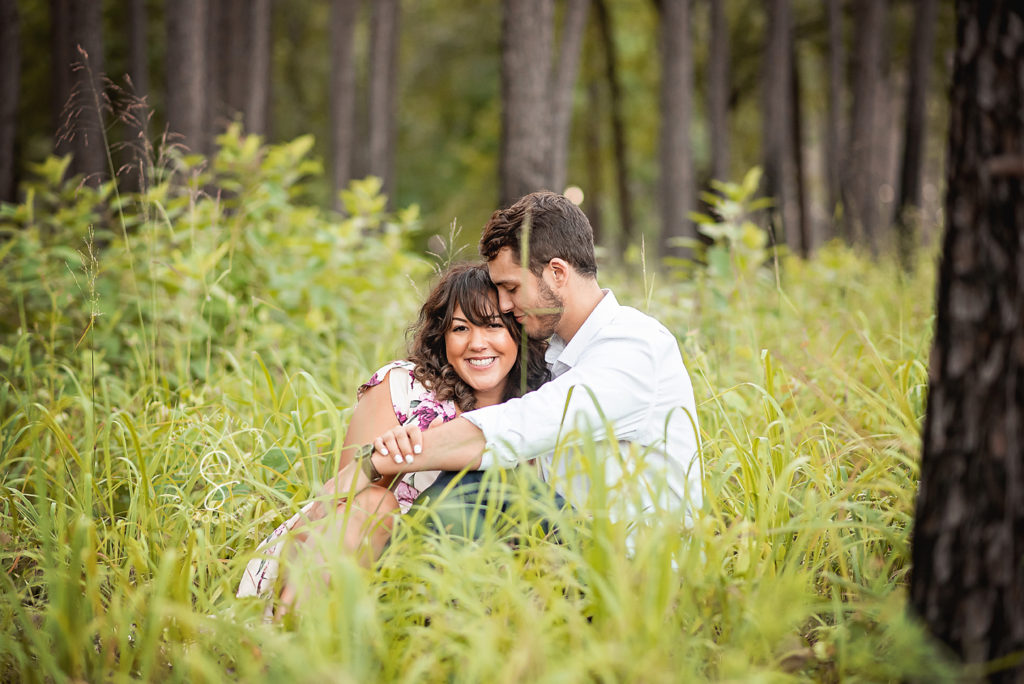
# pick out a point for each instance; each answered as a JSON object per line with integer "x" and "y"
{"x": 455, "y": 445}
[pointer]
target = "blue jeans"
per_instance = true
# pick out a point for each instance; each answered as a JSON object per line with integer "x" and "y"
{"x": 505, "y": 501}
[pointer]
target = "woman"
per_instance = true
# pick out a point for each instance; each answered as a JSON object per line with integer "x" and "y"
{"x": 464, "y": 355}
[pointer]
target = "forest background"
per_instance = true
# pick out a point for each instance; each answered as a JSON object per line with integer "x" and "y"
{"x": 842, "y": 103}
{"x": 187, "y": 309}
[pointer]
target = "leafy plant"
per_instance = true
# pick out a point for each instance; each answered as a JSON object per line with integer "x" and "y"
{"x": 175, "y": 386}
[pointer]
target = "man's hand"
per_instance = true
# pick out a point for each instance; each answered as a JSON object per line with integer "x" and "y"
{"x": 400, "y": 443}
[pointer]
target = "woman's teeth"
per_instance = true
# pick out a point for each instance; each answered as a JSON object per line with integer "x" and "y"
{"x": 482, "y": 363}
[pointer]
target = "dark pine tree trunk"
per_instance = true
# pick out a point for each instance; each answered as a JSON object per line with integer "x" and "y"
{"x": 10, "y": 80}
{"x": 258, "y": 47}
{"x": 777, "y": 122}
{"x": 186, "y": 73}
{"x": 383, "y": 87}
{"x": 61, "y": 49}
{"x": 592, "y": 153}
{"x": 804, "y": 240}
{"x": 678, "y": 185}
{"x": 968, "y": 544}
{"x": 526, "y": 40}
{"x": 342, "y": 92}
{"x": 861, "y": 183}
{"x": 562, "y": 86}
{"x": 718, "y": 91}
{"x": 133, "y": 160}
{"x": 908, "y": 203}
{"x": 78, "y": 86}
{"x": 620, "y": 146}
{"x": 834, "y": 117}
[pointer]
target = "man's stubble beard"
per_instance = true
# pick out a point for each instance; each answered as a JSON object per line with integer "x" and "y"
{"x": 546, "y": 322}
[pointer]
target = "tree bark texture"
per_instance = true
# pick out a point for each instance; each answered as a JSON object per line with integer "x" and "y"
{"x": 525, "y": 157}
{"x": 861, "y": 183}
{"x": 620, "y": 147}
{"x": 384, "y": 32}
{"x": 834, "y": 115}
{"x": 10, "y": 82}
{"x": 718, "y": 91}
{"x": 342, "y": 92}
{"x": 912, "y": 167}
{"x": 777, "y": 124}
{"x": 968, "y": 543}
{"x": 678, "y": 185}
{"x": 562, "y": 87}
{"x": 186, "y": 72}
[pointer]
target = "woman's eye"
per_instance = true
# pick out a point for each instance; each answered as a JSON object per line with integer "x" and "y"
{"x": 459, "y": 328}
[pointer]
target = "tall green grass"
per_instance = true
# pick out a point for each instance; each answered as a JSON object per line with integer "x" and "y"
{"x": 175, "y": 386}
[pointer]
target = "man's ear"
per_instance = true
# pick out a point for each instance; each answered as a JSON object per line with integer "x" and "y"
{"x": 560, "y": 270}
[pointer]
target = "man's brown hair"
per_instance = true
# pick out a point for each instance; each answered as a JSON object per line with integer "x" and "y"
{"x": 557, "y": 229}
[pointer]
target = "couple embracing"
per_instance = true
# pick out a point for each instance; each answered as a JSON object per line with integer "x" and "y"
{"x": 594, "y": 370}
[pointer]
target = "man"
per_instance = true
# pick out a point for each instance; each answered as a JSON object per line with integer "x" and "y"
{"x": 617, "y": 375}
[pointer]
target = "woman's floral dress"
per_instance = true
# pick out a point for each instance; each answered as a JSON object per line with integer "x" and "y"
{"x": 414, "y": 405}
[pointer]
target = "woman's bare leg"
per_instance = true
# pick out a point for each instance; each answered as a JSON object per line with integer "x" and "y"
{"x": 363, "y": 528}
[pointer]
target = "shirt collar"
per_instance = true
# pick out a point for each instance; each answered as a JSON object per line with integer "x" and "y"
{"x": 567, "y": 353}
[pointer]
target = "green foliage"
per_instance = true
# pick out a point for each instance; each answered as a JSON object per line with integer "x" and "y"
{"x": 176, "y": 382}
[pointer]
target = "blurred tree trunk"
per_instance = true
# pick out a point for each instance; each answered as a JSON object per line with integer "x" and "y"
{"x": 908, "y": 204}
{"x": 861, "y": 184}
{"x": 718, "y": 91}
{"x": 135, "y": 158}
{"x": 10, "y": 83}
{"x": 834, "y": 118}
{"x": 619, "y": 142}
{"x": 796, "y": 137}
{"x": 592, "y": 149}
{"x": 525, "y": 161}
{"x": 383, "y": 85}
{"x": 258, "y": 49}
{"x": 78, "y": 86}
{"x": 777, "y": 122}
{"x": 138, "y": 46}
{"x": 562, "y": 86}
{"x": 61, "y": 49}
{"x": 227, "y": 61}
{"x": 678, "y": 185}
{"x": 186, "y": 72}
{"x": 342, "y": 92}
{"x": 968, "y": 542}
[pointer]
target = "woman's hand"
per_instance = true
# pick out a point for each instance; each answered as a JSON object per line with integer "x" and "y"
{"x": 400, "y": 443}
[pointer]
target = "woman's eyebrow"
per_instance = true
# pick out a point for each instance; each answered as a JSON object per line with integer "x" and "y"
{"x": 456, "y": 318}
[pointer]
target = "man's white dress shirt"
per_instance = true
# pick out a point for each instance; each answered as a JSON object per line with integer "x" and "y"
{"x": 621, "y": 370}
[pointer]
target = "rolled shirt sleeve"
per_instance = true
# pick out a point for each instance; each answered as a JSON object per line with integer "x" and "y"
{"x": 600, "y": 392}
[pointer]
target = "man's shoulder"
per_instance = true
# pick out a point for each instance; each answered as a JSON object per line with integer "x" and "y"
{"x": 635, "y": 323}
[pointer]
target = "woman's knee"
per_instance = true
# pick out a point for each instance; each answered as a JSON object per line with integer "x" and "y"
{"x": 375, "y": 501}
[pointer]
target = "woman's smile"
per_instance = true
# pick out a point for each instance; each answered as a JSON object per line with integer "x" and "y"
{"x": 482, "y": 355}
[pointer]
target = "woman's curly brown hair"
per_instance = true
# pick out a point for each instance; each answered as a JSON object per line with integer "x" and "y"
{"x": 469, "y": 287}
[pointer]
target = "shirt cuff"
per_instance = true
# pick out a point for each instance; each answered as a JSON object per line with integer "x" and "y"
{"x": 499, "y": 451}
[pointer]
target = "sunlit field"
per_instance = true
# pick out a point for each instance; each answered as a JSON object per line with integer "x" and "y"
{"x": 178, "y": 369}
